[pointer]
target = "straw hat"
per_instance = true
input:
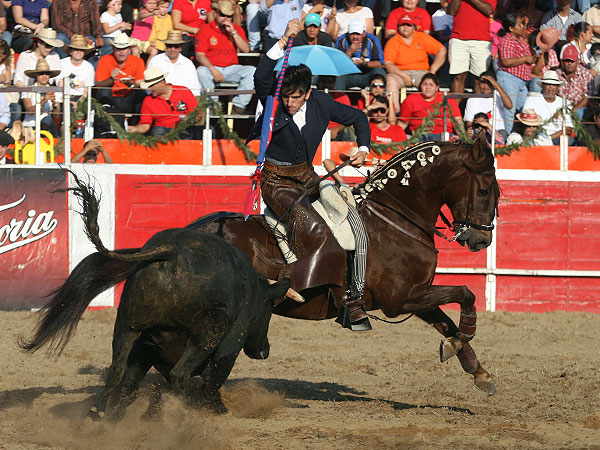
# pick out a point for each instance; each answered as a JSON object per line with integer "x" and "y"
{"x": 547, "y": 38}
{"x": 530, "y": 118}
{"x": 174, "y": 37}
{"x": 78, "y": 42}
{"x": 121, "y": 40}
{"x": 48, "y": 35}
{"x": 225, "y": 7}
{"x": 551, "y": 77}
{"x": 152, "y": 76}
{"x": 42, "y": 68}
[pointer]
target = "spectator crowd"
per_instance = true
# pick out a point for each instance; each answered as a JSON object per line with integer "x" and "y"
{"x": 148, "y": 61}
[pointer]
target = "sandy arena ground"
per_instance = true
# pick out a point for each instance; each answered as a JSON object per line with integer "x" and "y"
{"x": 324, "y": 387}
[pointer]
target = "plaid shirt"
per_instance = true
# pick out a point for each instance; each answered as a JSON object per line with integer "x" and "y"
{"x": 553, "y": 62}
{"x": 552, "y": 20}
{"x": 579, "y": 86}
{"x": 511, "y": 47}
{"x": 85, "y": 22}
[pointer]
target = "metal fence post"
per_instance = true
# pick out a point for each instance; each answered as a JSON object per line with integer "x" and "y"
{"x": 38, "y": 125}
{"x": 564, "y": 139}
{"x": 67, "y": 118}
{"x": 207, "y": 140}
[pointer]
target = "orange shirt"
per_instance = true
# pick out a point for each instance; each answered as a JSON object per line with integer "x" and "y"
{"x": 133, "y": 68}
{"x": 413, "y": 57}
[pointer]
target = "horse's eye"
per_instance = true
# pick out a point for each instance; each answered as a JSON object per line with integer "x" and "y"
{"x": 483, "y": 192}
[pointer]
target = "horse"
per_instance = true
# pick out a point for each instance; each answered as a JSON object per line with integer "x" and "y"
{"x": 399, "y": 203}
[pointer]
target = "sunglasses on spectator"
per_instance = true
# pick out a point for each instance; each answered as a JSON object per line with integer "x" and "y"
{"x": 378, "y": 110}
{"x": 226, "y": 16}
{"x": 377, "y": 85}
{"x": 173, "y": 45}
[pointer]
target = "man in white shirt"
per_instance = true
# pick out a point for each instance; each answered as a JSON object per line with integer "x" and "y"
{"x": 75, "y": 68}
{"x": 179, "y": 69}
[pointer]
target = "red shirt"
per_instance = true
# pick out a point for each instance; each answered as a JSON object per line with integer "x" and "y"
{"x": 470, "y": 23}
{"x": 133, "y": 68}
{"x": 414, "y": 109}
{"x": 342, "y": 98}
{"x": 193, "y": 16}
{"x": 166, "y": 113}
{"x": 217, "y": 45}
{"x": 420, "y": 16}
{"x": 395, "y": 133}
{"x": 513, "y": 47}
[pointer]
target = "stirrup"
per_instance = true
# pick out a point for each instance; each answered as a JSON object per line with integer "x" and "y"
{"x": 362, "y": 324}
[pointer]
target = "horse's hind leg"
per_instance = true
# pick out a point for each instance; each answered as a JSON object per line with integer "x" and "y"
{"x": 466, "y": 355}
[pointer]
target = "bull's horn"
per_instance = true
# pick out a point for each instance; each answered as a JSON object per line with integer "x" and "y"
{"x": 291, "y": 294}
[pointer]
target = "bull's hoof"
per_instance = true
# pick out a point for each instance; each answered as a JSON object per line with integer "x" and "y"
{"x": 449, "y": 347}
{"x": 484, "y": 381}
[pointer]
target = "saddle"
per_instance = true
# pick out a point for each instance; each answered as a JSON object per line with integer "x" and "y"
{"x": 330, "y": 205}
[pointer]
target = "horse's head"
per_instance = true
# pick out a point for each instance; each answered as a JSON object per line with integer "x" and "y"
{"x": 473, "y": 195}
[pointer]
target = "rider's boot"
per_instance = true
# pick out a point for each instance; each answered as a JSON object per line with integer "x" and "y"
{"x": 352, "y": 313}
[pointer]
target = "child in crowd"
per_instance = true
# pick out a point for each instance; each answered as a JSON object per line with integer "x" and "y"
{"x": 112, "y": 23}
{"x": 160, "y": 28}
{"x": 143, "y": 26}
{"x": 49, "y": 105}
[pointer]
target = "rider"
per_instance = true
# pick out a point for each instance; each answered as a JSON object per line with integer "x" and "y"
{"x": 300, "y": 121}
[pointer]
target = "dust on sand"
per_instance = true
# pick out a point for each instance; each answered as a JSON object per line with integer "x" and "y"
{"x": 324, "y": 387}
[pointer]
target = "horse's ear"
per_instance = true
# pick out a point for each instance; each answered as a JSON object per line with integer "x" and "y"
{"x": 479, "y": 147}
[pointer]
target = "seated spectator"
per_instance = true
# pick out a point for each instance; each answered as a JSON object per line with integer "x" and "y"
{"x": 548, "y": 104}
{"x": 44, "y": 46}
{"x": 441, "y": 23}
{"x": 279, "y": 13}
{"x": 83, "y": 18}
{"x": 179, "y": 70}
{"x": 312, "y": 34}
{"x": 217, "y": 45}
{"x": 475, "y": 105}
{"x": 420, "y": 17}
{"x": 526, "y": 127}
{"x": 377, "y": 88}
{"x": 188, "y": 16}
{"x": 113, "y": 24}
{"x": 50, "y": 107}
{"x": 144, "y": 21}
{"x": 165, "y": 107}
{"x": 582, "y": 42}
{"x": 421, "y": 104}
{"x": 76, "y": 70}
{"x": 6, "y": 35}
{"x": 163, "y": 24}
{"x": 544, "y": 41}
{"x": 578, "y": 82}
{"x": 366, "y": 53}
{"x": 406, "y": 58}
{"x": 481, "y": 123}
{"x": 319, "y": 7}
{"x": 561, "y": 18}
{"x": 30, "y": 17}
{"x": 120, "y": 72}
{"x": 382, "y": 131}
{"x": 514, "y": 65}
{"x": 89, "y": 153}
{"x": 592, "y": 16}
{"x": 5, "y": 140}
{"x": 6, "y": 80}
{"x": 352, "y": 11}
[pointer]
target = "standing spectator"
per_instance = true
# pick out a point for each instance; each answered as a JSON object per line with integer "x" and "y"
{"x": 366, "y": 53}
{"x": 217, "y": 45}
{"x": 544, "y": 40}
{"x": 514, "y": 65}
{"x": 548, "y": 104}
{"x": 352, "y": 11}
{"x": 49, "y": 105}
{"x": 119, "y": 72}
{"x": 166, "y": 105}
{"x": 382, "y": 132}
{"x": 406, "y": 58}
{"x": 312, "y": 33}
{"x": 420, "y": 17}
{"x": 578, "y": 82}
{"x": 442, "y": 22}
{"x": 179, "y": 70}
{"x": 526, "y": 127}
{"x": 80, "y": 17}
{"x": 561, "y": 18}
{"x": 188, "y": 16}
{"x": 45, "y": 44}
{"x": 256, "y": 19}
{"x": 163, "y": 24}
{"x": 112, "y": 23}
{"x": 5, "y": 140}
{"x": 319, "y": 7}
{"x": 76, "y": 70}
{"x": 421, "y": 104}
{"x": 469, "y": 45}
{"x": 279, "y": 13}
{"x": 30, "y": 17}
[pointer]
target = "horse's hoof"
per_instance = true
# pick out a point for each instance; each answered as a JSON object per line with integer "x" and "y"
{"x": 94, "y": 414}
{"x": 484, "y": 381}
{"x": 449, "y": 347}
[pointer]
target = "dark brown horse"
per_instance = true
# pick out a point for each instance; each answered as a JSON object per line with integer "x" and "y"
{"x": 400, "y": 203}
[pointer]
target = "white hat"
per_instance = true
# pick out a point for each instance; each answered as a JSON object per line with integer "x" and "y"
{"x": 48, "y": 35}
{"x": 551, "y": 77}
{"x": 152, "y": 76}
{"x": 121, "y": 40}
{"x": 356, "y": 26}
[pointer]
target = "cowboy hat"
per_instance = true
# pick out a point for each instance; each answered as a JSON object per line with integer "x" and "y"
{"x": 152, "y": 76}
{"x": 48, "y": 35}
{"x": 121, "y": 40}
{"x": 41, "y": 68}
{"x": 551, "y": 77}
{"x": 225, "y": 7}
{"x": 78, "y": 42}
{"x": 547, "y": 38}
{"x": 174, "y": 37}
{"x": 530, "y": 118}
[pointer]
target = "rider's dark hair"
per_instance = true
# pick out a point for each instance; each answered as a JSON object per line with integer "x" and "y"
{"x": 297, "y": 79}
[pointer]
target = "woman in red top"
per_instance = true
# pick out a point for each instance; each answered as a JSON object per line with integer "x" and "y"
{"x": 419, "y": 105}
{"x": 188, "y": 16}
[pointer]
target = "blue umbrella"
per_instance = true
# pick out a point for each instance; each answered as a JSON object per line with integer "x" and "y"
{"x": 321, "y": 60}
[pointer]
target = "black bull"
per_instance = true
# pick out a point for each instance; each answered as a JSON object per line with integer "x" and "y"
{"x": 191, "y": 302}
